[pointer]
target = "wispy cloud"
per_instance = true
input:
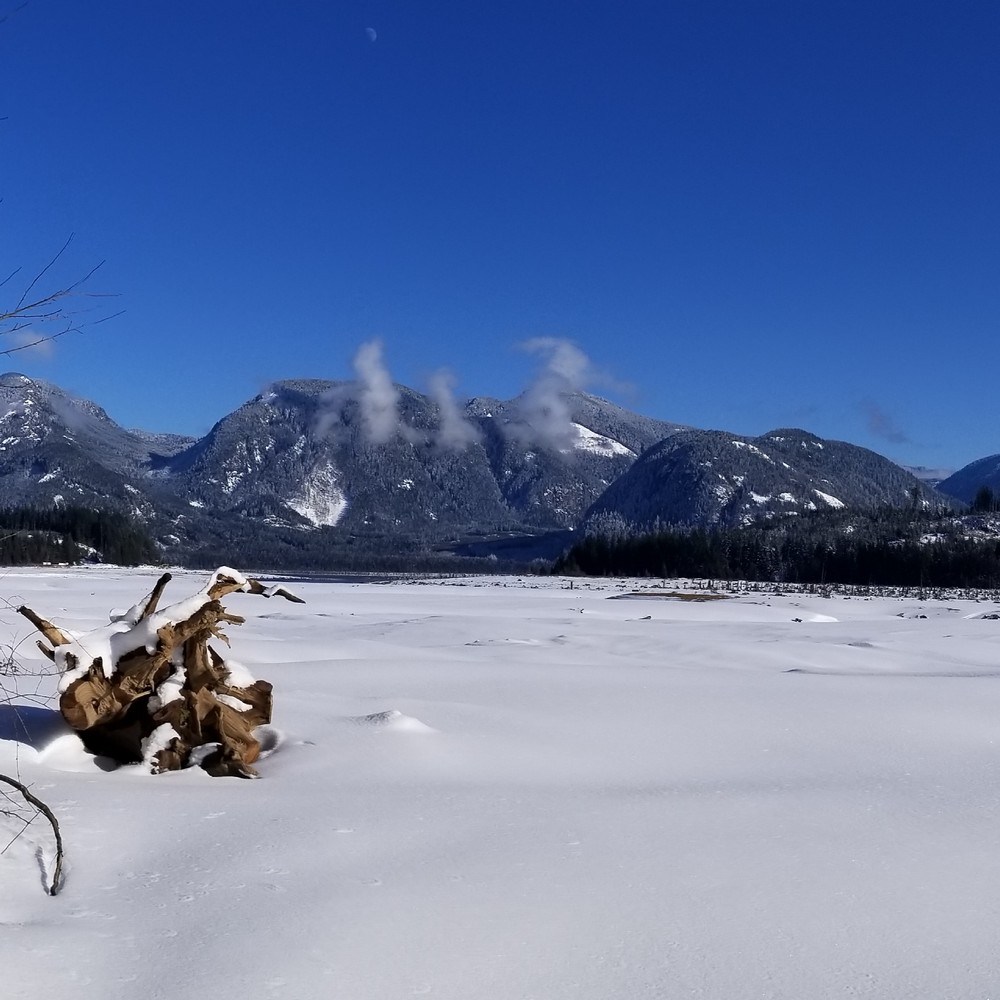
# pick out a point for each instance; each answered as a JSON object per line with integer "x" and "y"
{"x": 882, "y": 424}
{"x": 543, "y": 414}
{"x": 377, "y": 397}
{"x": 374, "y": 393}
{"x": 28, "y": 343}
{"x": 454, "y": 431}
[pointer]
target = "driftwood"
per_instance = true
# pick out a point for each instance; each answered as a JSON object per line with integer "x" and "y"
{"x": 149, "y": 688}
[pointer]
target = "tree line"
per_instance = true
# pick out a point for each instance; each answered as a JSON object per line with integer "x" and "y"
{"x": 29, "y": 536}
{"x": 883, "y": 548}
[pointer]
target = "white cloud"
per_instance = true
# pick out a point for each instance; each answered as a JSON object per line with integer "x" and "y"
{"x": 543, "y": 415}
{"x": 377, "y": 397}
{"x": 454, "y": 431}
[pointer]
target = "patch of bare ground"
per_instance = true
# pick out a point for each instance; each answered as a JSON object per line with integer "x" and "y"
{"x": 668, "y": 595}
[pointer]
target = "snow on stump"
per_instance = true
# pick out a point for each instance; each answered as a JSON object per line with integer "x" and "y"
{"x": 148, "y": 687}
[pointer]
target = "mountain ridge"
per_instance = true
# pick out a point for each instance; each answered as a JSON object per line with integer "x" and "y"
{"x": 311, "y": 466}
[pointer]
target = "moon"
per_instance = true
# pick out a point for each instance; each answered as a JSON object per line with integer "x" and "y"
{"x": 371, "y": 33}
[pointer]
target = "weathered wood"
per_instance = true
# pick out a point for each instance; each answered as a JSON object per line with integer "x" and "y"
{"x": 155, "y": 595}
{"x": 178, "y": 690}
{"x": 45, "y": 627}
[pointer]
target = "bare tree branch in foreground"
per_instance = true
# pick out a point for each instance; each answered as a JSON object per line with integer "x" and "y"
{"x": 42, "y": 808}
{"x": 24, "y": 690}
{"x": 39, "y": 316}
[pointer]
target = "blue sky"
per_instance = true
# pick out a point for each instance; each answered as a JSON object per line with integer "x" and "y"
{"x": 748, "y": 214}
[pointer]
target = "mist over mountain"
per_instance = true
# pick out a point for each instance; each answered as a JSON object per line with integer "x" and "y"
{"x": 57, "y": 448}
{"x": 325, "y": 454}
{"x": 311, "y": 469}
{"x": 931, "y": 476}
{"x": 310, "y": 465}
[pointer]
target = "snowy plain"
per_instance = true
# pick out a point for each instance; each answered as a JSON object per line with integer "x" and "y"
{"x": 579, "y": 797}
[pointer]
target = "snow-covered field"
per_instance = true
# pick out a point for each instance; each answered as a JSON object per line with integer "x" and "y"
{"x": 580, "y": 799}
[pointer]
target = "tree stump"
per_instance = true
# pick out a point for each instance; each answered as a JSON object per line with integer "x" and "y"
{"x": 148, "y": 687}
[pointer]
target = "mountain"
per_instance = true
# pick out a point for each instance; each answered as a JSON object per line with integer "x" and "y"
{"x": 551, "y": 466}
{"x": 301, "y": 455}
{"x": 304, "y": 454}
{"x": 964, "y": 484}
{"x": 319, "y": 458}
{"x": 57, "y": 448}
{"x": 312, "y": 471}
{"x": 714, "y": 477}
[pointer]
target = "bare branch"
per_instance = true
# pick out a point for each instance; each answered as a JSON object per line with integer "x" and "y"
{"x": 50, "y": 816}
{"x": 19, "y": 7}
{"x": 45, "y": 627}
{"x": 39, "y": 311}
{"x": 16, "y": 271}
{"x": 155, "y": 595}
{"x": 41, "y": 274}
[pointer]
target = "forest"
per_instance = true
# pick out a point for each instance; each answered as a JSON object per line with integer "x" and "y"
{"x": 887, "y": 547}
{"x": 29, "y": 536}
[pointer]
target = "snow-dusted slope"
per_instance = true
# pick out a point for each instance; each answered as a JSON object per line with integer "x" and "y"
{"x": 709, "y": 477}
{"x": 318, "y": 497}
{"x": 497, "y": 791}
{"x": 599, "y": 444}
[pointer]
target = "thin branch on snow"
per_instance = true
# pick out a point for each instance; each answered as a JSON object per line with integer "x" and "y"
{"x": 50, "y": 816}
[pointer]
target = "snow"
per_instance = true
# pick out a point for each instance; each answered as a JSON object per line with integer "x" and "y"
{"x": 319, "y": 499}
{"x": 830, "y": 501}
{"x": 598, "y": 444}
{"x": 159, "y": 739}
{"x": 753, "y": 448}
{"x": 493, "y": 789}
{"x": 233, "y": 479}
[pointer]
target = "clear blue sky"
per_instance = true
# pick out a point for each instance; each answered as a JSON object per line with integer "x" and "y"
{"x": 758, "y": 213}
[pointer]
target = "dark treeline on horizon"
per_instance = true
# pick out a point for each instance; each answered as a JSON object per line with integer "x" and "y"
{"x": 29, "y": 536}
{"x": 882, "y": 548}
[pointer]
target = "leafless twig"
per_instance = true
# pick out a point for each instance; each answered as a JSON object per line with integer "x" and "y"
{"x": 50, "y": 816}
{"x": 42, "y": 317}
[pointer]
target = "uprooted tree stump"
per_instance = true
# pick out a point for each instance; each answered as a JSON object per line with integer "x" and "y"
{"x": 148, "y": 687}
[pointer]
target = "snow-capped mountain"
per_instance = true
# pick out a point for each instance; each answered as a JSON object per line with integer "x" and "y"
{"x": 714, "y": 477}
